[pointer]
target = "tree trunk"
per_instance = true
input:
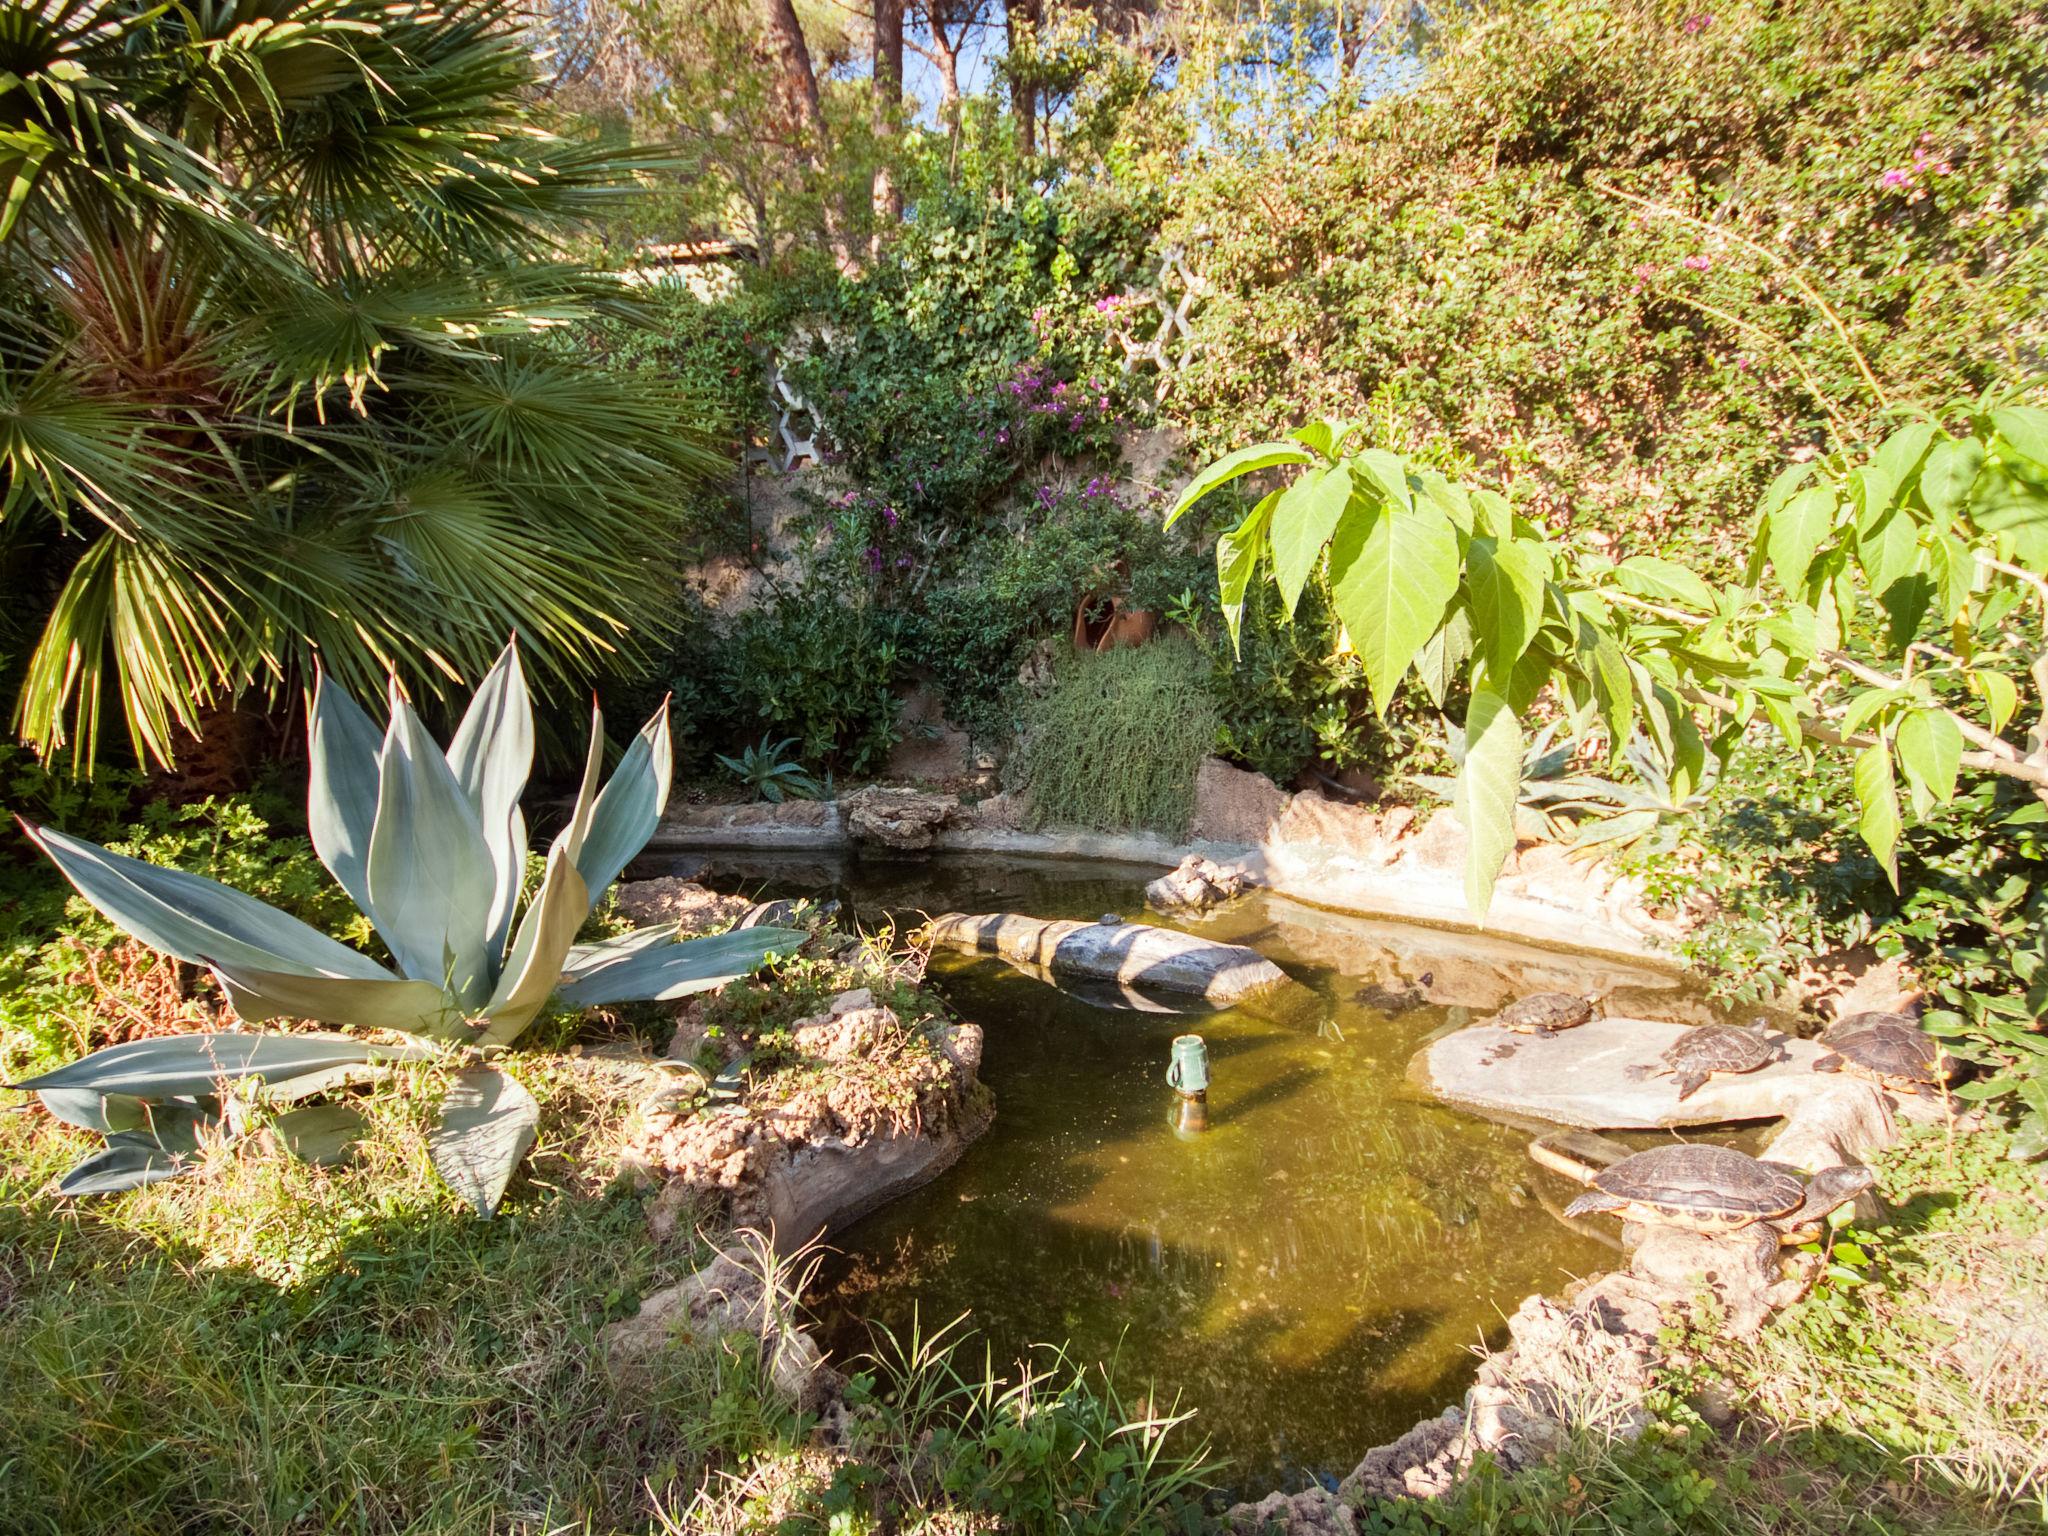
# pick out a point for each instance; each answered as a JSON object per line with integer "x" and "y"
{"x": 806, "y": 112}
{"x": 888, "y": 109}
{"x": 1020, "y": 19}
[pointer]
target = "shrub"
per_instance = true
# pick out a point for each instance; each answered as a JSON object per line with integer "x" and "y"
{"x": 1115, "y": 743}
{"x": 817, "y": 669}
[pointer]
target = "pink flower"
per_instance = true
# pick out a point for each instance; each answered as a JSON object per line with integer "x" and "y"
{"x": 1699, "y": 263}
{"x": 1897, "y": 178}
{"x": 1645, "y": 270}
{"x": 1694, "y": 25}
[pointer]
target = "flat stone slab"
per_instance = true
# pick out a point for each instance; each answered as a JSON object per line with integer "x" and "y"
{"x": 1133, "y": 954}
{"x": 1600, "y": 1076}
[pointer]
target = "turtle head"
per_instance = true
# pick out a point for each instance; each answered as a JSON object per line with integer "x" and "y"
{"x": 1833, "y": 1187}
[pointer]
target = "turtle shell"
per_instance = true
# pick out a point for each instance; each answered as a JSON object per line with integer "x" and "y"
{"x": 1891, "y": 1046}
{"x": 1706, "y": 1188}
{"x": 1545, "y": 1011}
{"x": 1719, "y": 1048}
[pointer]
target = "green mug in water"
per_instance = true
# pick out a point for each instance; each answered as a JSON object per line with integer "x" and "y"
{"x": 1189, "y": 1071}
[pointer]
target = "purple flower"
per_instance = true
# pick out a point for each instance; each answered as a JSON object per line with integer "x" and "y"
{"x": 1897, "y": 178}
{"x": 874, "y": 559}
{"x": 903, "y": 562}
{"x": 1002, "y": 437}
{"x": 889, "y": 515}
{"x": 1694, "y": 25}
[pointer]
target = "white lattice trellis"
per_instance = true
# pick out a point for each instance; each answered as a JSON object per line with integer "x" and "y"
{"x": 1158, "y": 323}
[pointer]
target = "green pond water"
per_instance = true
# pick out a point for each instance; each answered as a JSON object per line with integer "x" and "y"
{"x": 1312, "y": 1274}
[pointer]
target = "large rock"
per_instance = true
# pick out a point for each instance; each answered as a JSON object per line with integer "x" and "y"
{"x": 1131, "y": 953}
{"x": 1602, "y": 1076}
{"x": 690, "y": 906}
{"x": 1235, "y": 806}
{"x": 1196, "y": 885}
{"x": 889, "y": 816}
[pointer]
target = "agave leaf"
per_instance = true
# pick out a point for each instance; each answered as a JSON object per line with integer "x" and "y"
{"x": 545, "y": 935}
{"x": 189, "y": 916}
{"x": 168, "y": 1065}
{"x": 321, "y": 1134}
{"x": 574, "y": 835}
{"x": 341, "y": 794}
{"x": 487, "y": 1122}
{"x": 415, "y": 1007}
{"x": 430, "y": 874}
{"x": 629, "y": 810}
{"x": 92, "y": 1111}
{"x": 666, "y": 971}
{"x": 307, "y": 1085}
{"x": 127, "y": 1161}
{"x": 585, "y": 958}
{"x": 490, "y": 756}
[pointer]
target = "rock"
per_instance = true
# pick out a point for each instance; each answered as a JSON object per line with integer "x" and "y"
{"x": 785, "y": 912}
{"x": 1009, "y": 811}
{"x": 928, "y": 746}
{"x": 961, "y": 1044}
{"x": 1740, "y": 1270}
{"x": 1195, "y": 885}
{"x": 1132, "y": 953}
{"x": 646, "y": 903}
{"x": 844, "y": 1034}
{"x": 1233, "y": 805}
{"x": 895, "y": 817}
{"x": 1422, "y": 1464}
{"x": 1312, "y": 1512}
{"x": 727, "y": 1296}
{"x": 1602, "y": 1076}
{"x": 852, "y": 1001}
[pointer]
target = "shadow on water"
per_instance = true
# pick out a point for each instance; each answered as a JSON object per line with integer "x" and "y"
{"x": 1311, "y": 1274}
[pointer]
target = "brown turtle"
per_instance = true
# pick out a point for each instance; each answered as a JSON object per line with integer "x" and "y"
{"x": 1545, "y": 1013}
{"x": 1890, "y": 1049}
{"x": 1717, "y": 1190}
{"x": 1712, "y": 1049}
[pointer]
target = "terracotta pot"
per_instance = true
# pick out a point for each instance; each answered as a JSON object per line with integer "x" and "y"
{"x": 1118, "y": 626}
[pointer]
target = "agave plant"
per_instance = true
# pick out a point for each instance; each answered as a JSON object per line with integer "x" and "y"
{"x": 769, "y": 771}
{"x": 431, "y": 846}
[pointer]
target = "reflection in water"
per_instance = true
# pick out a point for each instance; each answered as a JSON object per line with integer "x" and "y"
{"x": 1311, "y": 1274}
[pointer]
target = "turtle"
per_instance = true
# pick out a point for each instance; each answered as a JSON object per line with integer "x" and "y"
{"x": 1890, "y": 1049}
{"x": 1545, "y": 1013}
{"x": 1717, "y": 1190}
{"x": 1711, "y": 1049}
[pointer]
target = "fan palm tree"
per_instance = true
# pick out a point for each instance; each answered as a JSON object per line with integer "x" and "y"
{"x": 275, "y": 389}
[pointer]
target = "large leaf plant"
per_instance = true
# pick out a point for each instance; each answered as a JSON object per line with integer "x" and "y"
{"x": 275, "y": 279}
{"x": 431, "y": 846}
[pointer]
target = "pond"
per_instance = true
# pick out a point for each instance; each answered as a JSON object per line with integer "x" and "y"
{"x": 1312, "y": 1275}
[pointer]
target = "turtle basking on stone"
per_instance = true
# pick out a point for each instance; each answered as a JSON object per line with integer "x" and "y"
{"x": 1713, "y": 1049}
{"x": 1545, "y": 1013}
{"x": 1890, "y": 1049}
{"x": 1717, "y": 1190}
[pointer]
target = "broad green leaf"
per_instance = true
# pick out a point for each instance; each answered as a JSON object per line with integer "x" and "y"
{"x": 2026, "y": 428}
{"x": 1303, "y": 518}
{"x": 663, "y": 972}
{"x": 126, "y": 1162}
{"x": 1389, "y": 473}
{"x": 1867, "y": 704}
{"x": 1531, "y": 673}
{"x": 321, "y": 1134}
{"x": 1488, "y": 785}
{"x": 546, "y": 934}
{"x": 2001, "y": 697}
{"x": 1244, "y": 461}
{"x": 1492, "y": 516}
{"x": 1950, "y": 471}
{"x": 1504, "y": 586}
{"x": 165, "y": 1066}
{"x": 629, "y": 810}
{"x": 191, "y": 917}
{"x": 1322, "y": 435}
{"x": 1891, "y": 470}
{"x": 1954, "y": 569}
{"x": 490, "y": 756}
{"x": 412, "y": 1007}
{"x": 1444, "y": 657}
{"x": 1392, "y": 573}
{"x": 1237, "y": 561}
{"x": 1664, "y": 581}
{"x": 487, "y": 1122}
{"x": 341, "y": 791}
{"x": 1930, "y": 751}
{"x": 1613, "y": 691}
{"x": 430, "y": 872}
{"x": 1796, "y": 530}
{"x": 1888, "y": 551}
{"x": 1795, "y": 630}
{"x": 1877, "y": 799}
{"x": 1782, "y": 488}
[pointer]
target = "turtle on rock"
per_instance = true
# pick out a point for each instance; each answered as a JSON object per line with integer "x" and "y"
{"x": 1890, "y": 1049}
{"x": 1717, "y": 1190}
{"x": 1545, "y": 1013}
{"x": 1710, "y": 1050}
